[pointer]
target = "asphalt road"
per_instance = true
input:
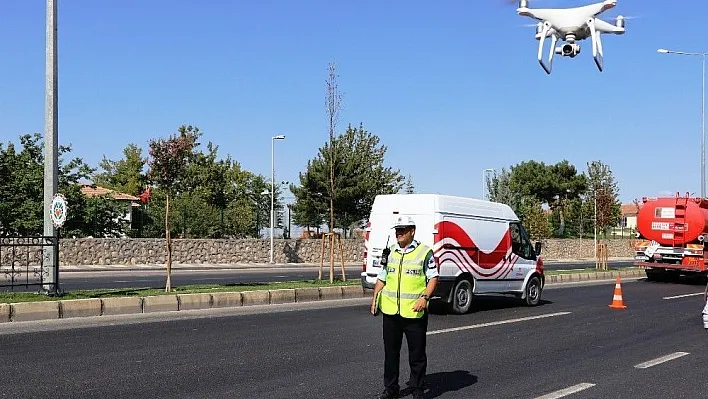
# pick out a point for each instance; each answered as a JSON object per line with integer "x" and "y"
{"x": 80, "y": 280}
{"x": 573, "y": 345}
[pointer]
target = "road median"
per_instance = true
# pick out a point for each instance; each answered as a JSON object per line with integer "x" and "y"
{"x": 39, "y": 307}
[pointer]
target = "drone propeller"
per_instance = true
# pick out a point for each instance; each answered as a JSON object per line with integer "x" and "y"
{"x": 626, "y": 17}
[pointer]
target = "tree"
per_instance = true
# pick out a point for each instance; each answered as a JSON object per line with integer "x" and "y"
{"x": 360, "y": 176}
{"x": 21, "y": 175}
{"x": 554, "y": 185}
{"x": 408, "y": 187}
{"x": 125, "y": 175}
{"x": 168, "y": 166}
{"x": 333, "y": 103}
{"x": 535, "y": 219}
{"x": 605, "y": 191}
{"x": 21, "y": 193}
{"x": 499, "y": 188}
{"x": 309, "y": 208}
{"x": 104, "y": 217}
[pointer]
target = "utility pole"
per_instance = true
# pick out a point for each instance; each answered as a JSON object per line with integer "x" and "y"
{"x": 51, "y": 148}
{"x": 595, "y": 224}
{"x": 703, "y": 55}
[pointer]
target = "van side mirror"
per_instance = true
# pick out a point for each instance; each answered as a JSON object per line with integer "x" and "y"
{"x": 537, "y": 248}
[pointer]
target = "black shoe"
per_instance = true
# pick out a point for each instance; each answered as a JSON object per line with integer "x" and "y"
{"x": 388, "y": 395}
{"x": 418, "y": 394}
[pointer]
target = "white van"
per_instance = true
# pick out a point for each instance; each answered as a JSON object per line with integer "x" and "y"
{"x": 481, "y": 247}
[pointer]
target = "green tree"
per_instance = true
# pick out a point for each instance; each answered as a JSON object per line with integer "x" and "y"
{"x": 104, "y": 217}
{"x": 603, "y": 195}
{"x": 360, "y": 176}
{"x": 408, "y": 187}
{"x": 535, "y": 219}
{"x": 21, "y": 200}
{"x": 126, "y": 175}
{"x": 169, "y": 159}
{"x": 21, "y": 193}
{"x": 555, "y": 185}
{"x": 499, "y": 189}
{"x": 309, "y": 208}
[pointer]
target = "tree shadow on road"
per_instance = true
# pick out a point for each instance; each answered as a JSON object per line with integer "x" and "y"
{"x": 437, "y": 384}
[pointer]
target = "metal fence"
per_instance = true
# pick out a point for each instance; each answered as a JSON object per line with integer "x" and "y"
{"x": 24, "y": 263}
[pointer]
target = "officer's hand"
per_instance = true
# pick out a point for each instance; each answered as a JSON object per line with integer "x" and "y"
{"x": 373, "y": 306}
{"x": 419, "y": 304}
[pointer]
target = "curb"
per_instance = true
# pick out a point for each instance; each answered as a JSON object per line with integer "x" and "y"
{"x": 96, "y": 307}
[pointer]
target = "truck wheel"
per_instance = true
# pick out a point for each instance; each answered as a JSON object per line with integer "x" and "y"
{"x": 653, "y": 275}
{"x": 461, "y": 297}
{"x": 533, "y": 291}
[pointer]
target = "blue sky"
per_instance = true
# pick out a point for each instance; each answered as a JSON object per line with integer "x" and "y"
{"x": 450, "y": 87}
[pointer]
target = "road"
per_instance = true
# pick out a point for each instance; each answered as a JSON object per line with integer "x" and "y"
{"x": 573, "y": 345}
{"x": 80, "y": 280}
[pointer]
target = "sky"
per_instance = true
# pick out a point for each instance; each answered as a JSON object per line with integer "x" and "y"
{"x": 451, "y": 87}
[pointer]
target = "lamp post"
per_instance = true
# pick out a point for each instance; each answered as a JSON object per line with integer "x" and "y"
{"x": 703, "y": 111}
{"x": 484, "y": 180}
{"x": 272, "y": 189}
{"x": 51, "y": 146}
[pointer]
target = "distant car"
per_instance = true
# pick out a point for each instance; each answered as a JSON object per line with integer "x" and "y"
{"x": 481, "y": 246}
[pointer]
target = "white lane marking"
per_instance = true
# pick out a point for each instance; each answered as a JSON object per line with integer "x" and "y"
{"x": 683, "y": 296}
{"x": 567, "y": 391}
{"x": 496, "y": 323}
{"x": 660, "y": 360}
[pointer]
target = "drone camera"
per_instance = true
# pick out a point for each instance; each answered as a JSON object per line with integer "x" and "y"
{"x": 568, "y": 50}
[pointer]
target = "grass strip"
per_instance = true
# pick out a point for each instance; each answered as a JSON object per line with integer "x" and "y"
{"x": 9, "y": 297}
{"x": 589, "y": 270}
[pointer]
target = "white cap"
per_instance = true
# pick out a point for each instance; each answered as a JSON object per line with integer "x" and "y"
{"x": 403, "y": 221}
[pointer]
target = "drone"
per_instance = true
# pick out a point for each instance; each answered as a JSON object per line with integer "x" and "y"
{"x": 571, "y": 25}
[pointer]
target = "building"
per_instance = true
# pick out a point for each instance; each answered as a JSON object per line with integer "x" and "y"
{"x": 628, "y": 220}
{"x": 129, "y": 201}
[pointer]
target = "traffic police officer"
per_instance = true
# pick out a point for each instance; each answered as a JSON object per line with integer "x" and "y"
{"x": 402, "y": 292}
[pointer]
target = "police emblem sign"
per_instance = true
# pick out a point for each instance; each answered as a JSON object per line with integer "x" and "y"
{"x": 58, "y": 210}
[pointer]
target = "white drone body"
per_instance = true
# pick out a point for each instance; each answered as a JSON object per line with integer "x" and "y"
{"x": 571, "y": 25}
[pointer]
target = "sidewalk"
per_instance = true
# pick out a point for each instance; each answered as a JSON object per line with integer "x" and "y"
{"x": 251, "y": 266}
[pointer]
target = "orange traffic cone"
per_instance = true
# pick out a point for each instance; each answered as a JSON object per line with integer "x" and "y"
{"x": 617, "y": 302}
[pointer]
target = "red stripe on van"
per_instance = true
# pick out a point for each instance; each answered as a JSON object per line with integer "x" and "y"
{"x": 485, "y": 260}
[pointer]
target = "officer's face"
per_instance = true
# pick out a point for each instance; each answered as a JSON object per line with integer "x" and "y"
{"x": 404, "y": 235}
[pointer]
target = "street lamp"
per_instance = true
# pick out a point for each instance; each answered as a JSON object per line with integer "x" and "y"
{"x": 703, "y": 112}
{"x": 484, "y": 180}
{"x": 272, "y": 189}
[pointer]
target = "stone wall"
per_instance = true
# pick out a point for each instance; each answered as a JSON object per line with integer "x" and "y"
{"x": 574, "y": 248}
{"x": 126, "y": 251}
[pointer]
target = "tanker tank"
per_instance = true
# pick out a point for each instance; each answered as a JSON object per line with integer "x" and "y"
{"x": 673, "y": 221}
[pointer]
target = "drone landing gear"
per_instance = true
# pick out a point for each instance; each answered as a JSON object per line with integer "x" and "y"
{"x": 596, "y": 43}
{"x": 554, "y": 39}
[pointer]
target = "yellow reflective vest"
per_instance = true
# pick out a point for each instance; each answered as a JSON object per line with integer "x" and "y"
{"x": 405, "y": 282}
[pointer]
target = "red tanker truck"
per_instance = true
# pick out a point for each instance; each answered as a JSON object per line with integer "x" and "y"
{"x": 671, "y": 237}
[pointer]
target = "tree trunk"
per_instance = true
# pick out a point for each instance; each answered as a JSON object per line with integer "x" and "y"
{"x": 331, "y": 192}
{"x": 168, "y": 285}
{"x": 561, "y": 227}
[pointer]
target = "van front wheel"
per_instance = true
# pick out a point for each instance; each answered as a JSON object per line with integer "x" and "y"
{"x": 461, "y": 297}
